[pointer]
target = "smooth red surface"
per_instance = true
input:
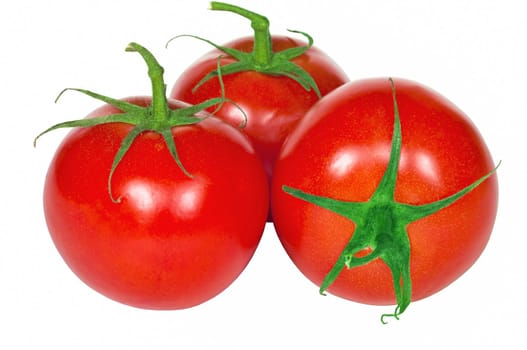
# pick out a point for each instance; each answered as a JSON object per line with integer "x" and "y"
{"x": 341, "y": 149}
{"x": 273, "y": 104}
{"x": 173, "y": 242}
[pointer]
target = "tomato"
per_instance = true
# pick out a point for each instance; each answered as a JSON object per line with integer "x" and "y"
{"x": 152, "y": 232}
{"x": 266, "y": 85}
{"x": 350, "y": 189}
{"x": 273, "y": 104}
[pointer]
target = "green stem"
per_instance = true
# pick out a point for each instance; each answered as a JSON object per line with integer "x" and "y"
{"x": 262, "y": 50}
{"x": 160, "y": 112}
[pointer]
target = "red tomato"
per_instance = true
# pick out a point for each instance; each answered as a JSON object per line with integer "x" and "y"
{"x": 340, "y": 150}
{"x": 273, "y": 104}
{"x": 172, "y": 241}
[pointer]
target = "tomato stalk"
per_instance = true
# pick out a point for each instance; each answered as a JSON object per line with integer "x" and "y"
{"x": 160, "y": 110}
{"x": 156, "y": 117}
{"x": 262, "y": 59}
{"x": 381, "y": 224}
{"x": 262, "y": 50}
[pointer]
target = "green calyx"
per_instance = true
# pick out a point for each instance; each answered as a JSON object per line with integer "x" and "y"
{"x": 381, "y": 224}
{"x": 157, "y": 117}
{"x": 262, "y": 59}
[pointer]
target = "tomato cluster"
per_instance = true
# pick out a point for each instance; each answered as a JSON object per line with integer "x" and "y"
{"x": 381, "y": 191}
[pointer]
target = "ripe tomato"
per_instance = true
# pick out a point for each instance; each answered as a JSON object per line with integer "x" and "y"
{"x": 273, "y": 104}
{"x": 173, "y": 241}
{"x": 184, "y": 225}
{"x": 341, "y": 152}
{"x": 270, "y": 83}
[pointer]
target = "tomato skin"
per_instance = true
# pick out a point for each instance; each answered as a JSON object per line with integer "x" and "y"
{"x": 273, "y": 104}
{"x": 340, "y": 150}
{"x": 172, "y": 242}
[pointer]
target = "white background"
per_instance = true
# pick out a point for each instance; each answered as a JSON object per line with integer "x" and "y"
{"x": 472, "y": 51}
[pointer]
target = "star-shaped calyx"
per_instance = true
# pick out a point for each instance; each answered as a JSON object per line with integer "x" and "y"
{"x": 156, "y": 117}
{"x": 262, "y": 59}
{"x": 381, "y": 224}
